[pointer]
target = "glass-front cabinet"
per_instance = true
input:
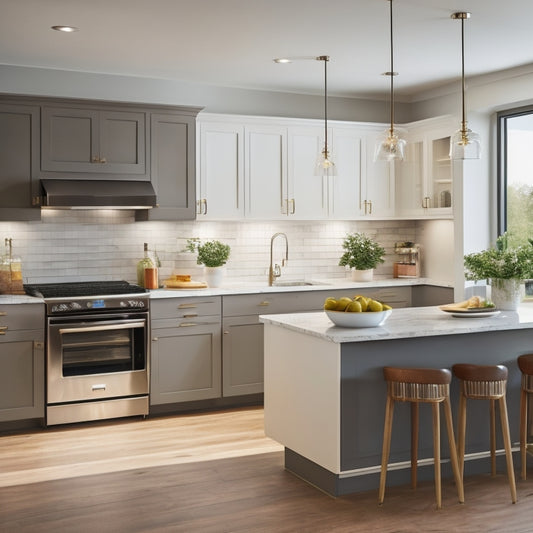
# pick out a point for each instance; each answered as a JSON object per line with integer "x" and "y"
{"x": 424, "y": 179}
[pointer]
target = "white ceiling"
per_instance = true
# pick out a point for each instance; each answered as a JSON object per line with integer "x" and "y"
{"x": 233, "y": 42}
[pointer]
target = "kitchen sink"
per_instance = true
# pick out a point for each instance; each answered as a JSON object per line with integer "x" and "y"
{"x": 296, "y": 283}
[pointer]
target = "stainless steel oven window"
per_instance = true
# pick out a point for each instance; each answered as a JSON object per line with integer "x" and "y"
{"x": 97, "y": 346}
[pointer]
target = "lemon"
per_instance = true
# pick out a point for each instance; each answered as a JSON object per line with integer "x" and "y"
{"x": 386, "y": 307}
{"x": 354, "y": 307}
{"x": 330, "y": 304}
{"x": 375, "y": 306}
{"x": 343, "y": 303}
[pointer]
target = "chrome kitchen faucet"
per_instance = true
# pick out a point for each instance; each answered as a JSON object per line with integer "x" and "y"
{"x": 275, "y": 270}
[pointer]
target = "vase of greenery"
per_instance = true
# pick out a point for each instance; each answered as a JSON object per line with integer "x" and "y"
{"x": 505, "y": 268}
{"x": 362, "y": 254}
{"x": 213, "y": 255}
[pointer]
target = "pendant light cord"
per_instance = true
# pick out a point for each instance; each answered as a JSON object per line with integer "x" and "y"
{"x": 391, "y": 73}
{"x": 325, "y": 59}
{"x": 463, "y": 87}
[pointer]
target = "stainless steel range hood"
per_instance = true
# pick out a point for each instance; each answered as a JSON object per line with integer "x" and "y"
{"x": 97, "y": 194}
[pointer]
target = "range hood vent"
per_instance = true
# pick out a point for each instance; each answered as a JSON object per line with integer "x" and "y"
{"x": 97, "y": 194}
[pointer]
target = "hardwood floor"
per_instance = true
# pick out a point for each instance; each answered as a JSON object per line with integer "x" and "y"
{"x": 213, "y": 473}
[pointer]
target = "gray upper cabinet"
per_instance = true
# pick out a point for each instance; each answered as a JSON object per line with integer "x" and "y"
{"x": 19, "y": 162}
{"x": 173, "y": 165}
{"x": 92, "y": 141}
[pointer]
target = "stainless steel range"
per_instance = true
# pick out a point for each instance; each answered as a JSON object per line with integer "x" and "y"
{"x": 97, "y": 350}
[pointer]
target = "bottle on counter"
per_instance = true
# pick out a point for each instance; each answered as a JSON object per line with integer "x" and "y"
{"x": 10, "y": 271}
{"x": 147, "y": 271}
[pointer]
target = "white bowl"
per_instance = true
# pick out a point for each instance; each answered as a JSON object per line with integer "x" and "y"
{"x": 369, "y": 319}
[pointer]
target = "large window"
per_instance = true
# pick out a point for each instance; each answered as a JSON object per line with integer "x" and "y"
{"x": 515, "y": 178}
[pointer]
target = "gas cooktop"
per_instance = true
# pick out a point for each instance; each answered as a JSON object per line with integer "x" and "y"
{"x": 82, "y": 288}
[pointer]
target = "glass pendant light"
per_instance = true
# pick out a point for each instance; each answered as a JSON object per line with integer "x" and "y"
{"x": 464, "y": 143}
{"x": 325, "y": 165}
{"x": 390, "y": 145}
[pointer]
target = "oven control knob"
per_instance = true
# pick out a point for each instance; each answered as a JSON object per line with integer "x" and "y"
{"x": 123, "y": 303}
{"x": 75, "y": 306}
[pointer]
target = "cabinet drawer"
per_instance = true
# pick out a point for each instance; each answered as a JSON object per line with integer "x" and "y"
{"x": 184, "y": 325}
{"x": 185, "y": 307}
{"x": 21, "y": 317}
{"x": 272, "y": 303}
{"x": 393, "y": 296}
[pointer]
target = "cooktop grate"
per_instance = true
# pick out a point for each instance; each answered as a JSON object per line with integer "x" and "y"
{"x": 82, "y": 288}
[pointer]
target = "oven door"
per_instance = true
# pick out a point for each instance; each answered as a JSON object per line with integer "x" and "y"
{"x": 97, "y": 356}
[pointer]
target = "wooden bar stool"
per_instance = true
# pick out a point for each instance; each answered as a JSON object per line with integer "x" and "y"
{"x": 485, "y": 382}
{"x": 525, "y": 363}
{"x": 420, "y": 385}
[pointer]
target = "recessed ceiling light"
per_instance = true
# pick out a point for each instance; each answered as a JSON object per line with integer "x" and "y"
{"x": 66, "y": 29}
{"x": 282, "y": 60}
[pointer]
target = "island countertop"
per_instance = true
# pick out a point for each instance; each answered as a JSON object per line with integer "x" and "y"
{"x": 403, "y": 323}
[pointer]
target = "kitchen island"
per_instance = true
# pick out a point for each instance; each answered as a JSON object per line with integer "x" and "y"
{"x": 325, "y": 393}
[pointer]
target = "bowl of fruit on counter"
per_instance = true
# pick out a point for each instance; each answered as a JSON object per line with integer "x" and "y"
{"x": 357, "y": 312}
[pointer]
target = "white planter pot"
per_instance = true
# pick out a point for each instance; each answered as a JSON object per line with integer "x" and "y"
{"x": 363, "y": 275}
{"x": 506, "y": 294}
{"x": 214, "y": 276}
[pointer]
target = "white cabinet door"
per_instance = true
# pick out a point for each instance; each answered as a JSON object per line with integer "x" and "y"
{"x": 266, "y": 194}
{"x": 344, "y": 188}
{"x": 220, "y": 181}
{"x": 377, "y": 183}
{"x": 424, "y": 182}
{"x": 307, "y": 192}
{"x": 410, "y": 178}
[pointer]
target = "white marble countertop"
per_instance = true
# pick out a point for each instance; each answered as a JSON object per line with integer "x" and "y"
{"x": 403, "y": 323}
{"x": 316, "y": 285}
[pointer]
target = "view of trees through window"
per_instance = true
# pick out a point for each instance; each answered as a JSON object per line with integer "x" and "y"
{"x": 518, "y": 178}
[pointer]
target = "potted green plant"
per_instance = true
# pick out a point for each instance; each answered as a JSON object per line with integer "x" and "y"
{"x": 213, "y": 255}
{"x": 504, "y": 267}
{"x": 362, "y": 254}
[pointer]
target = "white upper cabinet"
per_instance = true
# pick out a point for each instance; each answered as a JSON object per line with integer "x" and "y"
{"x": 264, "y": 169}
{"x": 266, "y": 188}
{"x": 220, "y": 180}
{"x": 377, "y": 197}
{"x": 424, "y": 181}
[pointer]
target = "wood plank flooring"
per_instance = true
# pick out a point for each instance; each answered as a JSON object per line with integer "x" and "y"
{"x": 214, "y": 473}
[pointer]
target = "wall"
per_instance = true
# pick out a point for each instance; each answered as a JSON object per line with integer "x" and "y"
{"x": 62, "y": 83}
{"x": 104, "y": 245}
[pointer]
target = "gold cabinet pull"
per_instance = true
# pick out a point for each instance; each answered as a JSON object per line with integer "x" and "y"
{"x": 3, "y": 313}
{"x": 187, "y": 324}
{"x": 187, "y": 306}
{"x": 264, "y": 303}
{"x": 190, "y": 315}
{"x": 3, "y": 330}
{"x": 38, "y": 345}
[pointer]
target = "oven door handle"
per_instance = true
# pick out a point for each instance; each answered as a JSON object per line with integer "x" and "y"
{"x": 129, "y": 325}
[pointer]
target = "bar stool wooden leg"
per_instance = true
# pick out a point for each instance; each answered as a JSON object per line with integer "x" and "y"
{"x": 493, "y": 438}
{"x": 453, "y": 451}
{"x": 389, "y": 412}
{"x": 523, "y": 432}
{"x": 461, "y": 430}
{"x": 507, "y": 445}
{"x": 436, "y": 453}
{"x": 414, "y": 443}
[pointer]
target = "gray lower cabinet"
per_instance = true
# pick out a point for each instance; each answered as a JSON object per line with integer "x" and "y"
{"x": 242, "y": 349}
{"x": 19, "y": 162}
{"x": 186, "y": 350}
{"x": 424, "y": 295}
{"x": 173, "y": 164}
{"x": 22, "y": 362}
{"x": 93, "y": 141}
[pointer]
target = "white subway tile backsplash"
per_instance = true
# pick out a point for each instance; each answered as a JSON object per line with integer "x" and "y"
{"x": 102, "y": 245}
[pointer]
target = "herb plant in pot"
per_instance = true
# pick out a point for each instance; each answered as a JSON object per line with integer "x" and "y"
{"x": 505, "y": 268}
{"x": 362, "y": 254}
{"x": 213, "y": 255}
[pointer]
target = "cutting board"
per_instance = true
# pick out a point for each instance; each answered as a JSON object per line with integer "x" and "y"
{"x": 175, "y": 284}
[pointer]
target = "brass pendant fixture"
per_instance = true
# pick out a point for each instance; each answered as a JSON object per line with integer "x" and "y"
{"x": 464, "y": 143}
{"x": 390, "y": 145}
{"x": 325, "y": 165}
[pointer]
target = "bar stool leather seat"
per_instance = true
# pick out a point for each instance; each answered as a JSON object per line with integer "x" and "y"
{"x": 420, "y": 385}
{"x": 525, "y": 363}
{"x": 485, "y": 382}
